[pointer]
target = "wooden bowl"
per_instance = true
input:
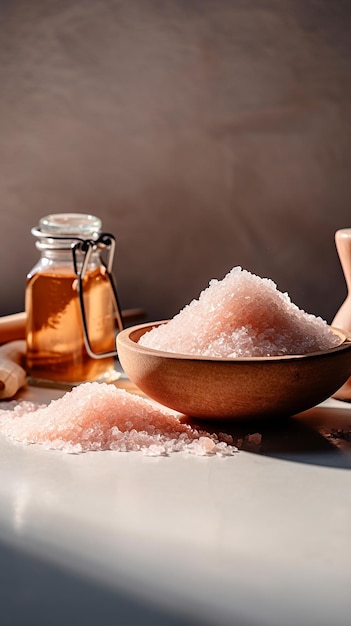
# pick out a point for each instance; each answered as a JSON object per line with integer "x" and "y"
{"x": 211, "y": 388}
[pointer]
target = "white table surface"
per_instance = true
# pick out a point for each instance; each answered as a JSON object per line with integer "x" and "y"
{"x": 261, "y": 538}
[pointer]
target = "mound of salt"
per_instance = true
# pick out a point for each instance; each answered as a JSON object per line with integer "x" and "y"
{"x": 98, "y": 416}
{"x": 242, "y": 315}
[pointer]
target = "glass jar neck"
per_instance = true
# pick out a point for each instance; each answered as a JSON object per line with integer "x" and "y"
{"x": 65, "y": 255}
{"x": 62, "y": 230}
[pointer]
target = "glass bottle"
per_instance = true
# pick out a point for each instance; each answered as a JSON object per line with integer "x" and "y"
{"x": 72, "y": 310}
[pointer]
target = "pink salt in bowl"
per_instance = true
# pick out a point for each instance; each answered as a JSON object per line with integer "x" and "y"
{"x": 234, "y": 388}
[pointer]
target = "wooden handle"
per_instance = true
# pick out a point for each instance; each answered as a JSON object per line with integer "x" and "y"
{"x": 12, "y": 372}
{"x": 13, "y": 327}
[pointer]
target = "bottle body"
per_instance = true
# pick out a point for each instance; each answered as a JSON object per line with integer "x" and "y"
{"x": 56, "y": 346}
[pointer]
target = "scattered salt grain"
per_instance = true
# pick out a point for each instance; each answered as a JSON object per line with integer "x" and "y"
{"x": 225, "y": 437}
{"x": 242, "y": 315}
{"x": 98, "y": 416}
{"x": 254, "y": 439}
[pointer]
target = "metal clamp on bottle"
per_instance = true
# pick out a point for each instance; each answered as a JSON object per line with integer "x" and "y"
{"x": 87, "y": 247}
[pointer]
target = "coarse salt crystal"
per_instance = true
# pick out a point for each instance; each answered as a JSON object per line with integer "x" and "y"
{"x": 242, "y": 315}
{"x": 254, "y": 439}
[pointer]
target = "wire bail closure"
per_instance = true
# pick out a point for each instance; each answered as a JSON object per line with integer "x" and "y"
{"x": 87, "y": 247}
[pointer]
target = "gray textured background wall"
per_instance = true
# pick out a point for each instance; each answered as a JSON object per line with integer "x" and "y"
{"x": 206, "y": 134}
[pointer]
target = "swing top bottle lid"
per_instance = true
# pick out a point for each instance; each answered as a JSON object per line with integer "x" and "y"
{"x": 57, "y": 229}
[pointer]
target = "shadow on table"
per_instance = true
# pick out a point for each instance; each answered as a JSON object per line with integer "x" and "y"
{"x": 37, "y": 593}
{"x": 320, "y": 436}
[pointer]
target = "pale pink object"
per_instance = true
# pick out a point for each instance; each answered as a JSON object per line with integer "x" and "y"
{"x": 242, "y": 315}
{"x": 342, "y": 318}
{"x": 98, "y": 416}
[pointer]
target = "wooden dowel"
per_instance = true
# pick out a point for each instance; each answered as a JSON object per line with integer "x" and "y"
{"x": 13, "y": 327}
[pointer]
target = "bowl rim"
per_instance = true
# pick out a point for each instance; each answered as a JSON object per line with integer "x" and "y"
{"x": 124, "y": 336}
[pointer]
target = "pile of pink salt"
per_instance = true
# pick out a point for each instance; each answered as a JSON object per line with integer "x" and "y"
{"x": 242, "y": 315}
{"x": 98, "y": 416}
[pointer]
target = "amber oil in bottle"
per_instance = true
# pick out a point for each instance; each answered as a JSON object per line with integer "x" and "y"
{"x": 56, "y": 346}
